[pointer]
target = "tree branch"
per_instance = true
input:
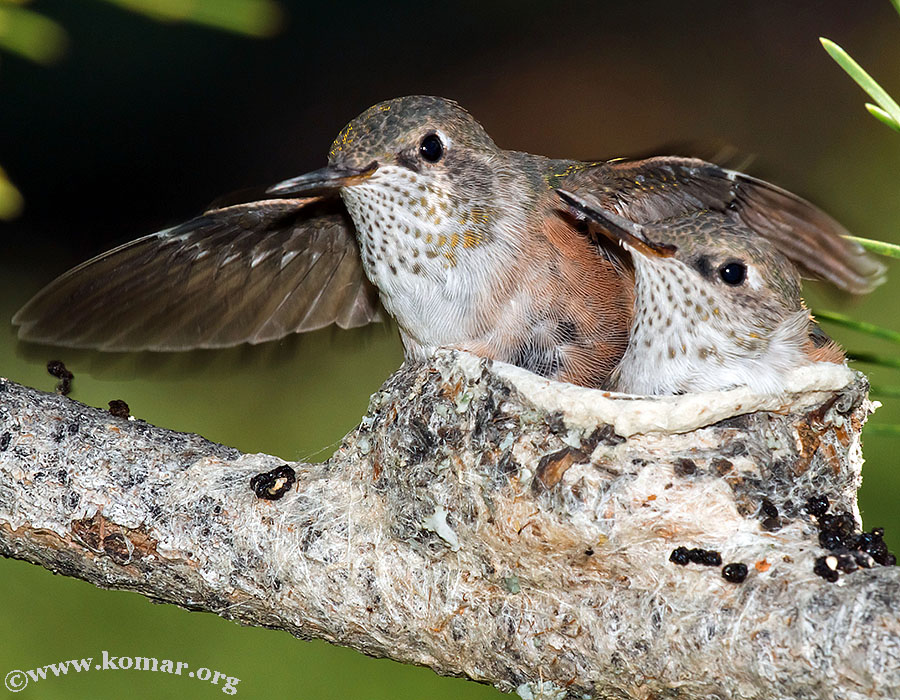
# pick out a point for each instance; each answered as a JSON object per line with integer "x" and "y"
{"x": 491, "y": 524}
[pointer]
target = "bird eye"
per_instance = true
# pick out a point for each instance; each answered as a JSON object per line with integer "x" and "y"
{"x": 431, "y": 148}
{"x": 733, "y": 273}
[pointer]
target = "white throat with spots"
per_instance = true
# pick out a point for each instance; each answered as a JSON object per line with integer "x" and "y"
{"x": 685, "y": 338}
{"x": 413, "y": 236}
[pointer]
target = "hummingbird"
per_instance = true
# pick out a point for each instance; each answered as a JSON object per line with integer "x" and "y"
{"x": 716, "y": 306}
{"x": 420, "y": 215}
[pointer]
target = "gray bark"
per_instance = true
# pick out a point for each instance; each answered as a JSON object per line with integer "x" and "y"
{"x": 491, "y": 524}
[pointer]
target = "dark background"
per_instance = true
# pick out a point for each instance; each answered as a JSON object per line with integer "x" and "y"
{"x": 145, "y": 123}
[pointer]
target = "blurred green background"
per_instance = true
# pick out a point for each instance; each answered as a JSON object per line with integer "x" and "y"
{"x": 141, "y": 124}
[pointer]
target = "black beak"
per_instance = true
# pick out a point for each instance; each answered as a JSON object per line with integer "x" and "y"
{"x": 617, "y": 228}
{"x": 325, "y": 181}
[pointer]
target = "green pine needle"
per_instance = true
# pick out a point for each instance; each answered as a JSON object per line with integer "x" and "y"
{"x": 883, "y": 116}
{"x": 861, "y": 326}
{"x": 871, "y": 358}
{"x": 863, "y": 79}
{"x": 890, "y": 250}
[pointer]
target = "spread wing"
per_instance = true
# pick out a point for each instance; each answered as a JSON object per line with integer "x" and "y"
{"x": 660, "y": 188}
{"x": 245, "y": 273}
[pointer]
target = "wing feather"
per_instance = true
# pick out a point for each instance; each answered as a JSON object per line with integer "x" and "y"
{"x": 664, "y": 187}
{"x": 245, "y": 273}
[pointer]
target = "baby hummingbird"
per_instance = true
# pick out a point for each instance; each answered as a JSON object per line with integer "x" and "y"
{"x": 716, "y": 306}
{"x": 418, "y": 212}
